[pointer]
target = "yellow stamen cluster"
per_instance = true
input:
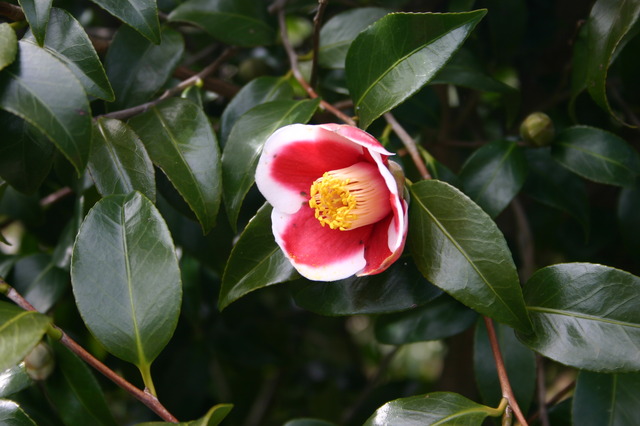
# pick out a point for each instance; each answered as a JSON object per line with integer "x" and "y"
{"x": 350, "y": 198}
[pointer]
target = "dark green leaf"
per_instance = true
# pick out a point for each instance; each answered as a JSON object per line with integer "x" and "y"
{"x": 8, "y": 45}
{"x": 554, "y": 186}
{"x": 26, "y": 155}
{"x": 493, "y": 175}
{"x": 338, "y": 33}
{"x": 127, "y": 281}
{"x": 258, "y": 91}
{"x": 137, "y": 68}
{"x": 597, "y": 155}
{"x": 606, "y": 399}
{"x": 460, "y": 249}
{"x": 213, "y": 418}
{"x": 441, "y": 318}
{"x": 12, "y": 415}
{"x": 236, "y": 22}
{"x": 585, "y": 315}
{"x": 256, "y": 261}
{"x": 20, "y": 331}
{"x": 629, "y": 219}
{"x": 438, "y": 170}
{"x": 42, "y": 91}
{"x": 61, "y": 256}
{"x": 141, "y": 15}
{"x": 308, "y": 422}
{"x": 243, "y": 148}
{"x": 433, "y": 408}
{"x": 519, "y": 361}
{"x": 67, "y": 41}
{"x": 609, "y": 24}
{"x": 75, "y": 392}
{"x": 37, "y": 14}
{"x": 410, "y": 49}
{"x": 119, "y": 163}
{"x": 398, "y": 288}
{"x": 40, "y": 281}
{"x": 179, "y": 140}
{"x": 14, "y": 380}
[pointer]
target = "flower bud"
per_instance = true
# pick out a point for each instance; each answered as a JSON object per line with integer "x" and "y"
{"x": 39, "y": 362}
{"x": 537, "y": 129}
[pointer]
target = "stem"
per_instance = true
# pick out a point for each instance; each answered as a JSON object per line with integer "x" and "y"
{"x": 322, "y": 4}
{"x": 146, "y": 398}
{"x": 507, "y": 392}
{"x": 145, "y": 372}
{"x": 542, "y": 391}
{"x": 55, "y": 196}
{"x": 11, "y": 11}
{"x": 293, "y": 60}
{"x": 410, "y": 144}
{"x": 561, "y": 394}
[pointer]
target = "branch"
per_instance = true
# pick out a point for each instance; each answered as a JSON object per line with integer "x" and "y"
{"x": 542, "y": 391}
{"x": 507, "y": 392}
{"x": 410, "y": 144}
{"x": 322, "y": 5}
{"x": 293, "y": 60}
{"x": 11, "y": 11}
{"x": 146, "y": 398}
{"x": 561, "y": 394}
{"x": 139, "y": 109}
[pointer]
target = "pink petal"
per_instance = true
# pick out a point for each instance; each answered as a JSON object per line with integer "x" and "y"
{"x": 319, "y": 253}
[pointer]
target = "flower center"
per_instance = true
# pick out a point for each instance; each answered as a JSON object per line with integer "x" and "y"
{"x": 351, "y": 197}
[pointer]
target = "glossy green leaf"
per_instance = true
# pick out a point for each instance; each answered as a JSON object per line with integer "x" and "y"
{"x": 119, "y": 163}
{"x": 493, "y": 175}
{"x": 585, "y": 315}
{"x": 629, "y": 219}
{"x": 597, "y": 155}
{"x": 75, "y": 392}
{"x": 410, "y": 49}
{"x": 20, "y": 331}
{"x": 255, "y": 262}
{"x": 138, "y": 68}
{"x": 553, "y": 185}
{"x": 37, "y": 14}
{"x": 438, "y": 170}
{"x": 243, "y": 148}
{"x": 399, "y": 288}
{"x": 213, "y": 417}
{"x": 609, "y": 23}
{"x": 67, "y": 41}
{"x": 12, "y": 415}
{"x": 39, "y": 281}
{"x": 141, "y": 15}
{"x": 519, "y": 361}
{"x": 606, "y": 399}
{"x": 339, "y": 31}
{"x": 258, "y": 91}
{"x": 180, "y": 140}
{"x": 26, "y": 155}
{"x": 13, "y": 380}
{"x": 441, "y": 318}
{"x": 42, "y": 91}
{"x": 237, "y": 22}
{"x": 460, "y": 249}
{"x": 441, "y": 408}
{"x": 127, "y": 282}
{"x": 8, "y": 45}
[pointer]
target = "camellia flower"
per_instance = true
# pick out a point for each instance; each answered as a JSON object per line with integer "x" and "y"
{"x": 338, "y": 208}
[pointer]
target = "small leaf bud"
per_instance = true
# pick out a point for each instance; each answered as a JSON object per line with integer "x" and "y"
{"x": 537, "y": 129}
{"x": 39, "y": 362}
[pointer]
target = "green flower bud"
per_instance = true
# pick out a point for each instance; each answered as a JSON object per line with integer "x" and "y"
{"x": 39, "y": 362}
{"x": 537, "y": 129}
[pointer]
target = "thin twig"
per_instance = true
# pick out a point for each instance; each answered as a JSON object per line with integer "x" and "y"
{"x": 317, "y": 21}
{"x": 507, "y": 392}
{"x": 209, "y": 69}
{"x": 542, "y": 391}
{"x": 55, "y": 196}
{"x": 293, "y": 60}
{"x": 146, "y": 398}
{"x": 410, "y": 144}
{"x": 553, "y": 401}
{"x": 11, "y": 11}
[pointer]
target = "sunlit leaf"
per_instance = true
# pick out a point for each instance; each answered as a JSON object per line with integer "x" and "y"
{"x": 14, "y": 380}
{"x": 8, "y": 45}
{"x": 37, "y": 14}
{"x": 410, "y": 49}
{"x": 585, "y": 315}
{"x": 460, "y": 249}
{"x": 20, "y": 331}
{"x": 606, "y": 399}
{"x": 141, "y": 15}
{"x": 12, "y": 415}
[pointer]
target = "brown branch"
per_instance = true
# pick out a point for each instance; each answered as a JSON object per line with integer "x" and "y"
{"x": 11, "y": 11}
{"x": 507, "y": 392}
{"x": 542, "y": 391}
{"x": 54, "y": 197}
{"x": 139, "y": 109}
{"x": 317, "y": 20}
{"x": 293, "y": 60}
{"x": 146, "y": 398}
{"x": 557, "y": 398}
{"x": 410, "y": 144}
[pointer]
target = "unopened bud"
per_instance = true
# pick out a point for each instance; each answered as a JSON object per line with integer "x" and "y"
{"x": 537, "y": 129}
{"x": 39, "y": 363}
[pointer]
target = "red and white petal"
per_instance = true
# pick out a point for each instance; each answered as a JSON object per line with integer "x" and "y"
{"x": 295, "y": 156}
{"x": 358, "y": 136}
{"x": 319, "y": 253}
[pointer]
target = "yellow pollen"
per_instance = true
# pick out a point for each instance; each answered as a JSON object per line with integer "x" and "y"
{"x": 350, "y": 198}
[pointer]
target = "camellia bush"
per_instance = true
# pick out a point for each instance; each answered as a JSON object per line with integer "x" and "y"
{"x": 315, "y": 213}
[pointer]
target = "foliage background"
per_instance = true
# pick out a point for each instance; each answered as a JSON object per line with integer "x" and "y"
{"x": 336, "y": 351}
